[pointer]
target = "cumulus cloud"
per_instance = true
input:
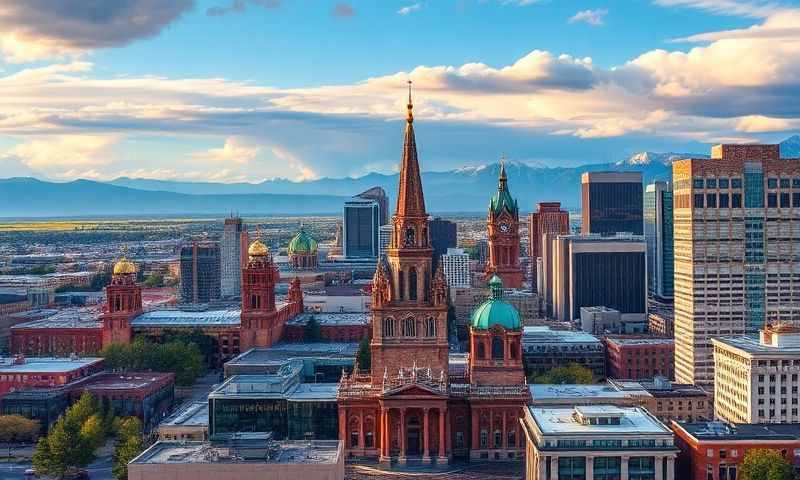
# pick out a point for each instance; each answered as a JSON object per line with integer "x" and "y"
{"x": 410, "y": 9}
{"x": 761, "y": 124}
{"x": 37, "y": 29}
{"x": 239, "y": 6}
{"x": 236, "y": 150}
{"x": 591, "y": 17}
{"x": 69, "y": 151}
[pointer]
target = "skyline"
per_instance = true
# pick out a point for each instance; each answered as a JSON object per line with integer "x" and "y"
{"x": 318, "y": 90}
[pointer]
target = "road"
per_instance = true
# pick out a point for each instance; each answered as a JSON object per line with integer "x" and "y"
{"x": 100, "y": 469}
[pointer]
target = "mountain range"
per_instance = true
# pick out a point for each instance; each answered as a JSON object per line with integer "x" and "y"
{"x": 465, "y": 189}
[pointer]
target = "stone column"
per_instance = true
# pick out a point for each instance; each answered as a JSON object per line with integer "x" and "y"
{"x": 623, "y": 475}
{"x": 382, "y": 434}
{"x": 361, "y": 443}
{"x": 554, "y": 468}
{"x": 670, "y": 468}
{"x": 442, "y": 438}
{"x": 542, "y": 467}
{"x": 343, "y": 426}
{"x": 504, "y": 439}
{"x": 590, "y": 467}
{"x": 426, "y": 451}
{"x": 491, "y": 429}
{"x": 402, "y": 458}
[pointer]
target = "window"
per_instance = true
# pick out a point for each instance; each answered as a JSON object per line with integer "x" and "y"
{"x": 409, "y": 328}
{"x": 481, "y": 351}
{"x": 724, "y": 200}
{"x": 430, "y": 327}
{"x": 484, "y": 439}
{"x": 772, "y": 200}
{"x": 785, "y": 200}
{"x": 641, "y": 468}
{"x": 736, "y": 182}
{"x": 723, "y": 183}
{"x": 698, "y": 200}
{"x": 459, "y": 440}
{"x": 412, "y": 284}
{"x": 608, "y": 468}
{"x": 402, "y": 287}
{"x": 513, "y": 353}
{"x": 796, "y": 199}
{"x": 736, "y": 200}
{"x": 498, "y": 439}
{"x": 772, "y": 183}
{"x": 388, "y": 327}
{"x": 497, "y": 348}
{"x": 571, "y": 468}
{"x": 697, "y": 183}
{"x": 711, "y": 200}
{"x": 354, "y": 438}
{"x": 711, "y": 183}
{"x": 785, "y": 182}
{"x": 512, "y": 439}
{"x": 796, "y": 183}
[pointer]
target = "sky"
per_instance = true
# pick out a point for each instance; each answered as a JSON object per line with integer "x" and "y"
{"x": 248, "y": 90}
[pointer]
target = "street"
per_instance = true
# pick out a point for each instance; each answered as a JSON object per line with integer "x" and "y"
{"x": 100, "y": 469}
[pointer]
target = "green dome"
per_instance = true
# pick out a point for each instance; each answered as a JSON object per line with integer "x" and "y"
{"x": 496, "y": 311}
{"x": 302, "y": 244}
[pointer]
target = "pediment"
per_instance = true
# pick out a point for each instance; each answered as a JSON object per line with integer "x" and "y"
{"x": 415, "y": 390}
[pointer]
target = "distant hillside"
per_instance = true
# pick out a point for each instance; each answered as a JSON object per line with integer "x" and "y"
{"x": 28, "y": 197}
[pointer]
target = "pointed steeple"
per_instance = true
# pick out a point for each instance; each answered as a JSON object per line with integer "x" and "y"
{"x": 503, "y": 178}
{"x": 410, "y": 200}
{"x": 502, "y": 199}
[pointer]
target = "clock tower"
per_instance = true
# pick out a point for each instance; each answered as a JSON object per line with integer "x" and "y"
{"x": 503, "y": 227}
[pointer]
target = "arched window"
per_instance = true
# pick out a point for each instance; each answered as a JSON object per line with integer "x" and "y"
{"x": 497, "y": 348}
{"x": 409, "y": 328}
{"x": 412, "y": 284}
{"x": 481, "y": 351}
{"x": 410, "y": 237}
{"x": 369, "y": 436}
{"x": 424, "y": 237}
{"x": 388, "y": 327}
{"x": 402, "y": 286}
{"x": 430, "y": 327}
{"x": 354, "y": 432}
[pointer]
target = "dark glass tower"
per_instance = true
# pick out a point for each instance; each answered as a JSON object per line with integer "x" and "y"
{"x": 200, "y": 272}
{"x": 611, "y": 203}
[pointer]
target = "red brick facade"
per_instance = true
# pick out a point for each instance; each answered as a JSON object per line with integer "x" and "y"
{"x": 640, "y": 357}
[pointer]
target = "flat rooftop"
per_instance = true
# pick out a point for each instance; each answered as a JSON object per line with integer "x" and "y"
{"x": 641, "y": 341}
{"x": 147, "y": 381}
{"x": 280, "y": 352}
{"x": 251, "y": 451}
{"x": 314, "y": 392}
{"x": 754, "y": 347}
{"x": 88, "y": 318}
{"x": 542, "y": 393}
{"x": 195, "y": 414}
{"x": 180, "y": 318}
{"x": 543, "y": 334}
{"x": 634, "y": 421}
{"x": 46, "y": 364}
{"x": 332, "y": 319}
{"x": 716, "y": 431}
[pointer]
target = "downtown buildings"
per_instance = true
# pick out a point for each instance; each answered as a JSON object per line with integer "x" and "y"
{"x": 658, "y": 233}
{"x": 232, "y": 257}
{"x": 548, "y": 218}
{"x": 611, "y": 202}
{"x": 737, "y": 235}
{"x": 362, "y": 218}
{"x": 200, "y": 272}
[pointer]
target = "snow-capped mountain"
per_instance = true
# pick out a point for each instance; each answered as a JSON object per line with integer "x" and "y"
{"x": 648, "y": 158}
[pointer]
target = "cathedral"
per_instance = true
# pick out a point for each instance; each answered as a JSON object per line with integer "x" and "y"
{"x": 410, "y": 407}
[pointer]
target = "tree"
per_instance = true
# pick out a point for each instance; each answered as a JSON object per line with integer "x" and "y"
{"x": 572, "y": 373}
{"x": 364, "y": 355}
{"x": 129, "y": 445}
{"x": 100, "y": 281}
{"x": 16, "y": 429}
{"x": 154, "y": 280}
{"x": 764, "y": 464}
{"x": 184, "y": 360}
{"x": 312, "y": 331}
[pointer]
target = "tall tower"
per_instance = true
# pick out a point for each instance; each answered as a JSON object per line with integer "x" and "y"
{"x": 409, "y": 305}
{"x": 124, "y": 303}
{"x": 258, "y": 318}
{"x": 503, "y": 226}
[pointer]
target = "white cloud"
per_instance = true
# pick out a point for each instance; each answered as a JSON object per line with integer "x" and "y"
{"x": 591, "y": 17}
{"x": 236, "y": 150}
{"x": 753, "y": 8}
{"x": 761, "y": 124}
{"x": 66, "y": 151}
{"x": 410, "y": 9}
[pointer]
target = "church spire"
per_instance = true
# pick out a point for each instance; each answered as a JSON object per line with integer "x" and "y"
{"x": 410, "y": 200}
{"x": 503, "y": 180}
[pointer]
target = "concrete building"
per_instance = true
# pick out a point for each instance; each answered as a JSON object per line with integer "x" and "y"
{"x": 200, "y": 272}
{"x": 736, "y": 224}
{"x": 549, "y": 395}
{"x": 640, "y": 357}
{"x": 444, "y": 236}
{"x": 590, "y": 270}
{"x": 548, "y": 218}
{"x": 188, "y": 423}
{"x": 658, "y": 233}
{"x": 378, "y": 194}
{"x": 611, "y": 202}
{"x": 715, "y": 450}
{"x": 756, "y": 380}
{"x": 384, "y": 237}
{"x": 669, "y": 401}
{"x": 597, "y": 442}
{"x": 322, "y": 362}
{"x": 243, "y": 457}
{"x": 544, "y": 349}
{"x": 455, "y": 263}
{"x": 233, "y": 257}
{"x": 603, "y": 320}
{"x": 360, "y": 228}
{"x": 661, "y": 319}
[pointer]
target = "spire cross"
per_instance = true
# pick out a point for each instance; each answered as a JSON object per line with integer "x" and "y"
{"x": 410, "y": 106}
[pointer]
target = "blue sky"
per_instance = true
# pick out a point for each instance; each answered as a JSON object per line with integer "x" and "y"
{"x": 244, "y": 90}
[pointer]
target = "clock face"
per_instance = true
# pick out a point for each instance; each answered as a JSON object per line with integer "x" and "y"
{"x": 505, "y": 228}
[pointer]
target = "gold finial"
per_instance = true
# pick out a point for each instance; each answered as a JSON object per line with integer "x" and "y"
{"x": 410, "y": 106}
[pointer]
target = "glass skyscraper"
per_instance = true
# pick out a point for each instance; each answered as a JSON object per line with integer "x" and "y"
{"x": 611, "y": 202}
{"x": 658, "y": 232}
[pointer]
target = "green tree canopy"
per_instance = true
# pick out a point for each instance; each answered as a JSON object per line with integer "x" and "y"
{"x": 16, "y": 429}
{"x": 154, "y": 280}
{"x": 184, "y": 360}
{"x": 312, "y": 331}
{"x": 764, "y": 464}
{"x": 364, "y": 355}
{"x": 572, "y": 373}
{"x": 129, "y": 445}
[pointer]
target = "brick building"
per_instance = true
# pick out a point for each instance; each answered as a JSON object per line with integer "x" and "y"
{"x": 548, "y": 218}
{"x": 640, "y": 357}
{"x": 333, "y": 327}
{"x": 19, "y": 372}
{"x": 715, "y": 450}
{"x": 147, "y": 395}
{"x": 504, "y": 238}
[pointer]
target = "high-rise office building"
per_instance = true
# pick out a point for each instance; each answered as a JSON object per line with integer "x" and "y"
{"x": 200, "y": 272}
{"x": 737, "y": 234}
{"x": 379, "y": 195}
{"x": 548, "y": 218}
{"x": 444, "y": 235}
{"x": 455, "y": 263}
{"x": 594, "y": 271}
{"x": 384, "y": 237}
{"x": 234, "y": 242}
{"x": 658, "y": 234}
{"x": 361, "y": 223}
{"x": 611, "y": 202}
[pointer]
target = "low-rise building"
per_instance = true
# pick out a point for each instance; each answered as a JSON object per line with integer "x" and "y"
{"x": 544, "y": 349}
{"x": 44, "y": 404}
{"x": 640, "y": 357}
{"x": 322, "y": 362}
{"x": 661, "y": 319}
{"x": 597, "y": 442}
{"x": 671, "y": 401}
{"x": 70, "y": 331}
{"x": 21, "y": 373}
{"x": 715, "y": 450}
{"x": 147, "y": 395}
{"x": 245, "y": 457}
{"x": 188, "y": 423}
{"x": 333, "y": 327}
{"x": 577, "y": 394}
{"x": 756, "y": 380}
{"x": 600, "y": 320}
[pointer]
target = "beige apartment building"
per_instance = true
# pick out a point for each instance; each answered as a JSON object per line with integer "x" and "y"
{"x": 756, "y": 379}
{"x": 737, "y": 250}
